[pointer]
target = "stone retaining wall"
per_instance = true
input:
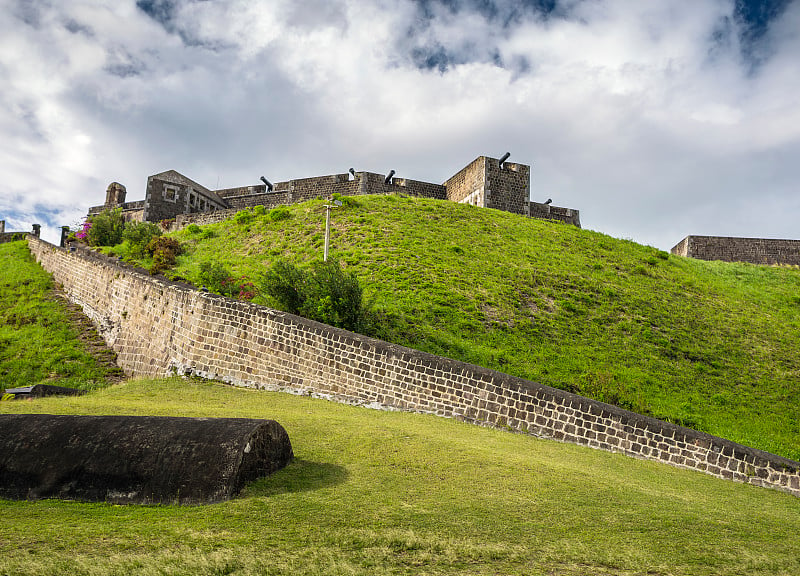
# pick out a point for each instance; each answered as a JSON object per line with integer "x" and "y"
{"x": 156, "y": 326}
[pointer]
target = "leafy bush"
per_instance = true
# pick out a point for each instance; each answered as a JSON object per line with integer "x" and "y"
{"x": 217, "y": 278}
{"x": 259, "y": 210}
{"x": 214, "y": 276}
{"x": 105, "y": 228}
{"x": 324, "y": 293}
{"x": 138, "y": 235}
{"x": 193, "y": 229}
{"x": 278, "y": 214}
{"x": 165, "y": 252}
{"x": 283, "y": 282}
{"x": 243, "y": 217}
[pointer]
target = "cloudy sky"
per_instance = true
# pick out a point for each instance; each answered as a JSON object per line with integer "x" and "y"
{"x": 656, "y": 119}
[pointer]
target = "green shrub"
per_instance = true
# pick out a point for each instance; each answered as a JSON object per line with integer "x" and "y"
{"x": 217, "y": 278}
{"x": 278, "y": 214}
{"x": 243, "y": 217}
{"x": 106, "y": 228}
{"x": 259, "y": 210}
{"x": 324, "y": 293}
{"x": 214, "y": 276}
{"x": 335, "y": 297}
{"x": 138, "y": 235}
{"x": 165, "y": 252}
{"x": 193, "y": 229}
{"x": 283, "y": 282}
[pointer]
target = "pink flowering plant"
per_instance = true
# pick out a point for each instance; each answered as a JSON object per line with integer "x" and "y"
{"x": 83, "y": 231}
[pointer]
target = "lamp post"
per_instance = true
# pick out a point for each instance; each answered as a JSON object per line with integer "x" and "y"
{"x": 336, "y": 204}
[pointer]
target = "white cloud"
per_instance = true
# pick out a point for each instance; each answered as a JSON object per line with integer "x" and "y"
{"x": 642, "y": 115}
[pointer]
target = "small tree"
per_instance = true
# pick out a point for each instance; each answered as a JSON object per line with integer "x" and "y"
{"x": 165, "y": 253}
{"x": 283, "y": 282}
{"x": 106, "y": 228}
{"x": 138, "y": 235}
{"x": 334, "y": 296}
{"x": 324, "y": 293}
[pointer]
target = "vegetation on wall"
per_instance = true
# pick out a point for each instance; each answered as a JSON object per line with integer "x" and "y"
{"x": 164, "y": 252}
{"x": 137, "y": 236}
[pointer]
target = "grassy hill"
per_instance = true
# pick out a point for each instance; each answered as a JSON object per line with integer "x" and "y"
{"x": 384, "y": 493}
{"x": 708, "y": 345}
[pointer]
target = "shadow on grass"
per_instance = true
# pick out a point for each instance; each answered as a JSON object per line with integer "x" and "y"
{"x": 298, "y": 476}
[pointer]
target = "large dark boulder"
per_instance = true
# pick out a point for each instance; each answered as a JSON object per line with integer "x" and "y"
{"x": 136, "y": 459}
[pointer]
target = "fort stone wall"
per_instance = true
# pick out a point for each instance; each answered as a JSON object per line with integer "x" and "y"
{"x": 157, "y": 327}
{"x": 728, "y": 249}
{"x": 508, "y": 186}
{"x": 468, "y": 184}
{"x": 171, "y": 193}
{"x": 485, "y": 182}
{"x": 550, "y": 212}
{"x": 293, "y": 191}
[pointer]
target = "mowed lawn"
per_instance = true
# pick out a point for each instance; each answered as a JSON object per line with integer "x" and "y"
{"x": 373, "y": 492}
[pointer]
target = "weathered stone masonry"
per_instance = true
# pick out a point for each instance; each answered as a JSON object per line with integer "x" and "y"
{"x": 728, "y": 249}
{"x": 157, "y": 326}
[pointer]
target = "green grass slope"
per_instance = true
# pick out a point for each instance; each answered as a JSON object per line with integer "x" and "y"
{"x": 383, "y": 493}
{"x": 709, "y": 345}
{"x": 44, "y": 340}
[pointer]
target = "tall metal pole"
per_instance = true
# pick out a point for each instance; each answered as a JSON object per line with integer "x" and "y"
{"x": 328, "y": 207}
{"x": 327, "y": 231}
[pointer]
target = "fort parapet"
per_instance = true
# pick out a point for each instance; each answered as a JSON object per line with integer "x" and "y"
{"x": 485, "y": 182}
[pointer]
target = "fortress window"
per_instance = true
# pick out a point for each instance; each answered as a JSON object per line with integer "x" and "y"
{"x": 170, "y": 194}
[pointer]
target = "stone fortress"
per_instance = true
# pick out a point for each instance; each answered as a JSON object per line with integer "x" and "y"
{"x": 171, "y": 197}
{"x": 484, "y": 182}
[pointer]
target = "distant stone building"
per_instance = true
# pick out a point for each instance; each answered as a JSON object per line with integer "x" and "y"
{"x": 485, "y": 182}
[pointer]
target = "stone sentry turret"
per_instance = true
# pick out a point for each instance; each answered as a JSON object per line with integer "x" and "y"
{"x": 115, "y": 195}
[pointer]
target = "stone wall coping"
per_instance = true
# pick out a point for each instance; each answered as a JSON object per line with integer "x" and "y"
{"x": 749, "y": 239}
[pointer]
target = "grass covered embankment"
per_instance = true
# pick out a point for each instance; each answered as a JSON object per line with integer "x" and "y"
{"x": 395, "y": 493}
{"x": 709, "y": 345}
{"x": 44, "y": 339}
